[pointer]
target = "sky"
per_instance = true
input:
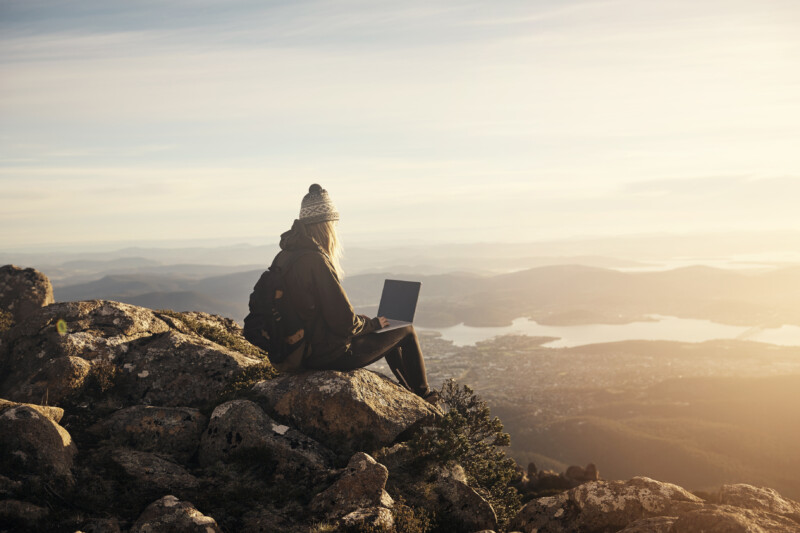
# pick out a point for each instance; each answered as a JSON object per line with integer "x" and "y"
{"x": 426, "y": 121}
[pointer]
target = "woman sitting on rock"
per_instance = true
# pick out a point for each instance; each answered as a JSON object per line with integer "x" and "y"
{"x": 337, "y": 338}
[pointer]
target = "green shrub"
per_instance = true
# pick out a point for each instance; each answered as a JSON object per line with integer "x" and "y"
{"x": 469, "y": 436}
{"x": 216, "y": 334}
{"x": 6, "y": 320}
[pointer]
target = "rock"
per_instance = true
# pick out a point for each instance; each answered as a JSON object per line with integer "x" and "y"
{"x": 374, "y": 518}
{"x": 101, "y": 525}
{"x": 241, "y": 426}
{"x": 575, "y": 472}
{"x": 53, "y": 413}
{"x": 462, "y": 502}
{"x": 22, "y": 514}
{"x": 171, "y": 515}
{"x": 136, "y": 356}
{"x": 604, "y": 506}
{"x": 657, "y": 524}
{"x": 759, "y": 499}
{"x": 30, "y": 442}
{"x": 150, "y": 470}
{"x": 55, "y": 382}
{"x": 346, "y": 411}
{"x": 9, "y": 487}
{"x": 23, "y": 291}
{"x": 174, "y": 431}
{"x": 360, "y": 486}
{"x": 729, "y": 519}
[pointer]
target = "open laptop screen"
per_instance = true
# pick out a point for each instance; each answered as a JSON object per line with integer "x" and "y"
{"x": 399, "y": 300}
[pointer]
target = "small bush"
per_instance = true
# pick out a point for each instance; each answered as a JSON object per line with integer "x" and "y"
{"x": 469, "y": 436}
{"x": 6, "y": 320}
{"x": 216, "y": 334}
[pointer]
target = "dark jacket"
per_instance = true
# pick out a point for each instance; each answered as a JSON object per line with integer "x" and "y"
{"x": 315, "y": 293}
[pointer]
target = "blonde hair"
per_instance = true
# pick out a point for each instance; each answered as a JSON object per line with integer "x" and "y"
{"x": 324, "y": 234}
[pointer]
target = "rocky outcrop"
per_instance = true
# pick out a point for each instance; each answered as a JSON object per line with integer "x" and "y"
{"x": 462, "y": 502}
{"x": 148, "y": 469}
{"x": 346, "y": 411}
{"x": 360, "y": 486}
{"x": 173, "y": 431}
{"x": 53, "y": 413}
{"x": 23, "y": 291}
{"x": 176, "y": 516}
{"x": 605, "y": 506}
{"x": 131, "y": 353}
{"x": 19, "y": 514}
{"x": 645, "y": 505}
{"x": 730, "y": 519}
{"x": 32, "y": 443}
{"x": 760, "y": 499}
{"x": 241, "y": 426}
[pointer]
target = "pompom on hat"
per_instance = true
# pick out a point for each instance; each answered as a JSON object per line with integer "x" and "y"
{"x": 317, "y": 206}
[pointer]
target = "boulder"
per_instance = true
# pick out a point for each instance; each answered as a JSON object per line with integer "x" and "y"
{"x": 240, "y": 426}
{"x": 656, "y": 524}
{"x": 371, "y": 519}
{"x": 21, "y": 514}
{"x": 56, "y": 381}
{"x": 605, "y": 506}
{"x": 53, "y": 413}
{"x": 360, "y": 486}
{"x": 30, "y": 442}
{"x": 175, "y": 431}
{"x": 462, "y": 502}
{"x": 136, "y": 356}
{"x": 759, "y": 499}
{"x": 358, "y": 410}
{"x": 729, "y": 519}
{"x": 101, "y": 525}
{"x": 169, "y": 514}
{"x": 23, "y": 291}
{"x": 151, "y": 471}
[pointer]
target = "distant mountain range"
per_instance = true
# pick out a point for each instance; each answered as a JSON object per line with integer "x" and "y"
{"x": 556, "y": 295}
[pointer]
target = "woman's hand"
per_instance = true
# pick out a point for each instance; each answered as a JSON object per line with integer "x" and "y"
{"x": 384, "y": 322}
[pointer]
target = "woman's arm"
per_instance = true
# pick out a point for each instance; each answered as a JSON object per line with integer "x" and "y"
{"x": 335, "y": 307}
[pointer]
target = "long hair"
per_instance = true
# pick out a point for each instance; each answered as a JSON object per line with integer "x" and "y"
{"x": 324, "y": 234}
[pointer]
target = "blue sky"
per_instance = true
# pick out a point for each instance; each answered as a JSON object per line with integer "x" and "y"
{"x": 426, "y": 121}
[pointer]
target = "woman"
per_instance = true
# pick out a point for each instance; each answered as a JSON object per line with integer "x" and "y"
{"x": 338, "y": 338}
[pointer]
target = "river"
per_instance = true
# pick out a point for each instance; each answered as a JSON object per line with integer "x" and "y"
{"x": 667, "y": 328}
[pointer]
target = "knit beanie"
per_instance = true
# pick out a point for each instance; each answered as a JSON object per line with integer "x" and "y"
{"x": 317, "y": 206}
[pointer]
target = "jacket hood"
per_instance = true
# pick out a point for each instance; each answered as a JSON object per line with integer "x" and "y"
{"x": 297, "y": 239}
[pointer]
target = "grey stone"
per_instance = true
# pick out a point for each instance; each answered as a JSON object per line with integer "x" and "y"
{"x": 462, "y": 502}
{"x": 241, "y": 425}
{"x": 132, "y": 350}
{"x": 373, "y": 517}
{"x": 361, "y": 485}
{"x": 759, "y": 499}
{"x": 657, "y": 524}
{"x": 605, "y": 506}
{"x": 729, "y": 519}
{"x": 21, "y": 513}
{"x": 32, "y": 443}
{"x": 175, "y": 431}
{"x": 53, "y": 413}
{"x": 171, "y": 515}
{"x": 150, "y": 470}
{"x": 350, "y": 411}
{"x": 23, "y": 291}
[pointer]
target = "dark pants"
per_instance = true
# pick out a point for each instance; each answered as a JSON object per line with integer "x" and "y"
{"x": 399, "y": 346}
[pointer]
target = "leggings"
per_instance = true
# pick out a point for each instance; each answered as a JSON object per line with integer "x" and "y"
{"x": 401, "y": 349}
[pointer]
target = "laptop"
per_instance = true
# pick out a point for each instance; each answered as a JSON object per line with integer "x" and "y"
{"x": 398, "y": 303}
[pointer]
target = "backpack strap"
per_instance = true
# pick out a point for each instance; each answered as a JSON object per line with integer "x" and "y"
{"x": 290, "y": 261}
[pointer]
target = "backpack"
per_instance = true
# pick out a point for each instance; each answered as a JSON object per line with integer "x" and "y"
{"x": 272, "y": 324}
